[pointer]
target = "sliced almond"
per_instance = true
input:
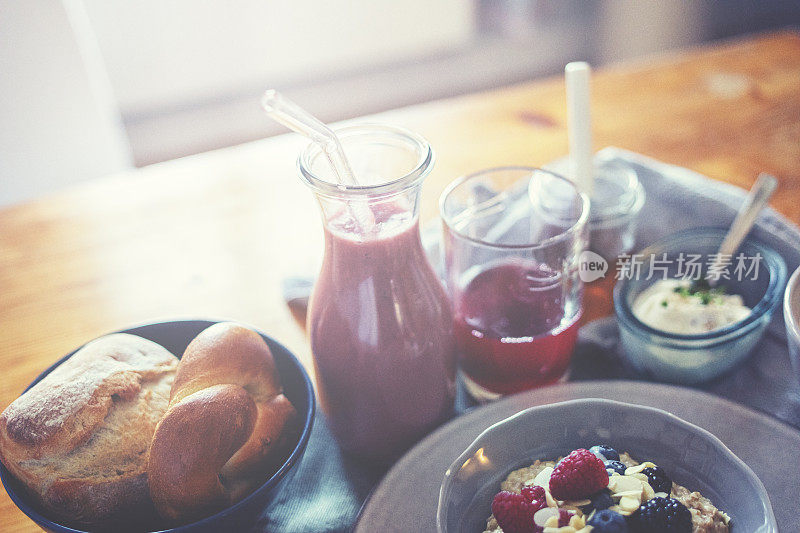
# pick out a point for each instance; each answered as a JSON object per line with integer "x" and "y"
{"x": 542, "y": 516}
{"x": 577, "y": 522}
{"x": 629, "y": 504}
{"x": 629, "y": 494}
{"x": 548, "y": 498}
{"x": 578, "y": 503}
{"x": 543, "y": 478}
{"x": 638, "y": 468}
{"x": 624, "y": 484}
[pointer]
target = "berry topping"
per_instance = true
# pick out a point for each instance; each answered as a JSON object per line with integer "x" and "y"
{"x": 605, "y": 452}
{"x": 607, "y": 521}
{"x": 615, "y": 466}
{"x": 514, "y": 513}
{"x": 661, "y": 515}
{"x": 564, "y": 517}
{"x": 536, "y": 496}
{"x": 601, "y": 500}
{"x": 578, "y": 475}
{"x": 658, "y": 479}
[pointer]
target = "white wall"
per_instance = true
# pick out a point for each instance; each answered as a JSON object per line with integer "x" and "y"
{"x": 177, "y": 53}
{"x": 187, "y": 74}
{"x": 58, "y": 122}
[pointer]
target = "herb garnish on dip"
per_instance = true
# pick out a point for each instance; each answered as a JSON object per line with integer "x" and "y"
{"x": 678, "y": 306}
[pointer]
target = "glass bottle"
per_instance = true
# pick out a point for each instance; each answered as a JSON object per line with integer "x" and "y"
{"x": 379, "y": 319}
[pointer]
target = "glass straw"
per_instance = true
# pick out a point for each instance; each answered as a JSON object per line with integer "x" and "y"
{"x": 294, "y": 117}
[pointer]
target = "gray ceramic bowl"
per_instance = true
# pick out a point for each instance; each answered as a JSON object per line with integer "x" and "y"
{"x": 692, "y": 456}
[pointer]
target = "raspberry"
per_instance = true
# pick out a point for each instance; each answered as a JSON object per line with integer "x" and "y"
{"x": 535, "y": 495}
{"x": 564, "y": 517}
{"x": 514, "y": 513}
{"x": 578, "y": 475}
{"x": 658, "y": 479}
{"x": 661, "y": 515}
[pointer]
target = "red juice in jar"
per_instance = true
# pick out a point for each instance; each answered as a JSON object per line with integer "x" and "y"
{"x": 514, "y": 328}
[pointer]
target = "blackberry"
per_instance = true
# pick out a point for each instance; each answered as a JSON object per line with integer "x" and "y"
{"x": 616, "y": 466}
{"x": 658, "y": 479}
{"x": 607, "y": 521}
{"x": 605, "y": 452}
{"x": 661, "y": 515}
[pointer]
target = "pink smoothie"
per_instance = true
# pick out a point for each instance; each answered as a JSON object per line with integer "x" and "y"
{"x": 381, "y": 336}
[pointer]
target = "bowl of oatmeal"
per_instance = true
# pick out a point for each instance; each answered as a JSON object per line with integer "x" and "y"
{"x": 666, "y": 467}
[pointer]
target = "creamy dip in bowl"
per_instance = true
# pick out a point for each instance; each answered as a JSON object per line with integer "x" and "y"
{"x": 676, "y": 306}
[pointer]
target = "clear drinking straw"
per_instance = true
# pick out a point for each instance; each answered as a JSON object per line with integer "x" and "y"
{"x": 294, "y": 117}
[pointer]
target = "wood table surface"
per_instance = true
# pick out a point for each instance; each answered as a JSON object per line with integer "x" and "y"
{"x": 213, "y": 235}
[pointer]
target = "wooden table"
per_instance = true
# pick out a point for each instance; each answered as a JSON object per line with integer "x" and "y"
{"x": 213, "y": 235}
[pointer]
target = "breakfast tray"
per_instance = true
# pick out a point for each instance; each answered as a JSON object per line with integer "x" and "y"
{"x": 329, "y": 489}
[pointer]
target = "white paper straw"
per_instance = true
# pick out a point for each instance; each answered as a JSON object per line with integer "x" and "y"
{"x": 579, "y": 125}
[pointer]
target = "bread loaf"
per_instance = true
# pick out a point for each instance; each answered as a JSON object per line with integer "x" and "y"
{"x": 79, "y": 438}
{"x": 221, "y": 436}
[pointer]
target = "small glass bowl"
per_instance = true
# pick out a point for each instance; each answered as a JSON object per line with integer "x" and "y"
{"x": 696, "y": 358}
{"x": 791, "y": 317}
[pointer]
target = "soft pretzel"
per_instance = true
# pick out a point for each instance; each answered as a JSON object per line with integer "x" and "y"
{"x": 221, "y": 434}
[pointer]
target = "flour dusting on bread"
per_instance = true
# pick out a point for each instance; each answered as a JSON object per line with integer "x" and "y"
{"x": 79, "y": 439}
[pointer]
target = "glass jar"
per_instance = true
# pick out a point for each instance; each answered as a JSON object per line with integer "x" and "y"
{"x": 379, "y": 319}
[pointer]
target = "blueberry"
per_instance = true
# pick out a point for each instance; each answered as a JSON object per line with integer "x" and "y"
{"x": 658, "y": 479}
{"x": 605, "y": 452}
{"x": 615, "y": 466}
{"x": 607, "y": 521}
{"x": 601, "y": 500}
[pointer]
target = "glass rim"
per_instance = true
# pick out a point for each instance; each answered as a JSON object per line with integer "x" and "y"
{"x": 789, "y": 306}
{"x": 409, "y": 179}
{"x": 626, "y": 204}
{"x": 612, "y": 217}
{"x": 573, "y": 229}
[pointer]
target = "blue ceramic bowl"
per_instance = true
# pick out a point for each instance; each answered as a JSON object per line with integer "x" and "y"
{"x": 175, "y": 336}
{"x": 691, "y": 456}
{"x": 696, "y": 358}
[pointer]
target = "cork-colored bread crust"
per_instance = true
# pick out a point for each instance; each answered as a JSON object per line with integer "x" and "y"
{"x": 225, "y": 427}
{"x": 79, "y": 439}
